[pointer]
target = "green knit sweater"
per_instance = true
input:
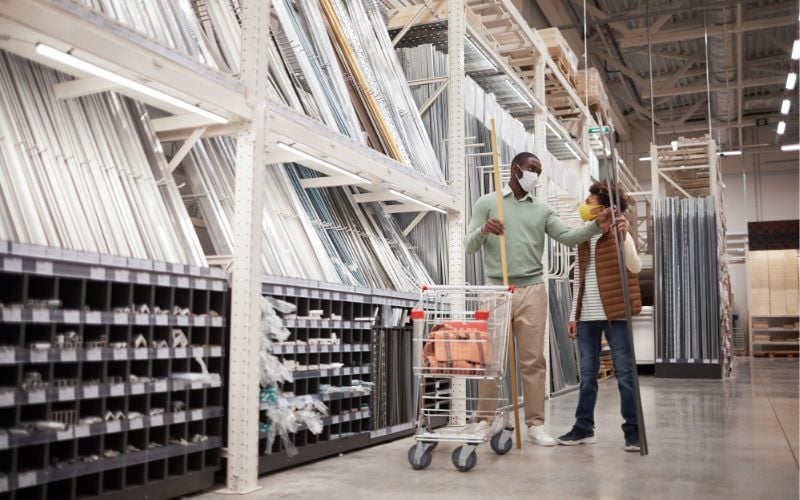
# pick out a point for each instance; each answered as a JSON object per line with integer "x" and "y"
{"x": 526, "y": 222}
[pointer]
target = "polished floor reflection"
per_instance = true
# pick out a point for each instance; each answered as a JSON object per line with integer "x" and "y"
{"x": 733, "y": 439}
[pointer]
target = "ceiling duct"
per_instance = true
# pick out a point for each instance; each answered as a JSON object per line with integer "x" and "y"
{"x": 722, "y": 68}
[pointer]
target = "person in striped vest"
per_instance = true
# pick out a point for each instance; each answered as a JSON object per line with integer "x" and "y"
{"x": 598, "y": 307}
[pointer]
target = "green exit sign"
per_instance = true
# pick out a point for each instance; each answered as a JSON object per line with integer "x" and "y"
{"x": 597, "y": 130}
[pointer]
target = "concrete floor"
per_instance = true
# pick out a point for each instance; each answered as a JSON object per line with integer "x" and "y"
{"x": 733, "y": 439}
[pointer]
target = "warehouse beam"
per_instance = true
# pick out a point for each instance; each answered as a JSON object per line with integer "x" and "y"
{"x": 83, "y": 86}
{"x": 698, "y": 31}
{"x": 184, "y": 149}
{"x": 326, "y": 181}
{"x": 702, "y": 88}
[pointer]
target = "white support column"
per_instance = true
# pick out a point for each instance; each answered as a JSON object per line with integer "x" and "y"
{"x": 456, "y": 24}
{"x": 243, "y": 375}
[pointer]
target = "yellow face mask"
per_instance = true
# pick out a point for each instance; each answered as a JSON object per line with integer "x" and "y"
{"x": 589, "y": 212}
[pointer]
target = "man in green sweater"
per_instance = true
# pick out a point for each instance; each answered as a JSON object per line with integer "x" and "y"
{"x": 526, "y": 221}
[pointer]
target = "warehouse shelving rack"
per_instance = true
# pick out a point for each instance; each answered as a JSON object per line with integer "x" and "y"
{"x": 357, "y": 418}
{"x": 100, "y": 371}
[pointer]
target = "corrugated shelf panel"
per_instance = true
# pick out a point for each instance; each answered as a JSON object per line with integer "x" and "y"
{"x": 13, "y": 355}
{"x": 14, "y": 440}
{"x": 303, "y": 349}
{"x": 314, "y": 138}
{"x": 347, "y": 370}
{"x": 14, "y": 397}
{"x": 50, "y": 474}
{"x": 392, "y": 430}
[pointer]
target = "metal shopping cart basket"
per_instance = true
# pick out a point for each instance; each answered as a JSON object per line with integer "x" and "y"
{"x": 461, "y": 333}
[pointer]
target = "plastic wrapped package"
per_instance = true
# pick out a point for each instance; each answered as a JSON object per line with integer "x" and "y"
{"x": 281, "y": 306}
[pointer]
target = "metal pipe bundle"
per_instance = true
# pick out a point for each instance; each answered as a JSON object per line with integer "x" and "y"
{"x": 687, "y": 302}
{"x": 85, "y": 173}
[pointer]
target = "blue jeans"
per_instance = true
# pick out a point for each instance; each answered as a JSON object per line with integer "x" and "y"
{"x": 589, "y": 338}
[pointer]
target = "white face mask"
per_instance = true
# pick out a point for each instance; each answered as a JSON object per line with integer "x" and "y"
{"x": 529, "y": 180}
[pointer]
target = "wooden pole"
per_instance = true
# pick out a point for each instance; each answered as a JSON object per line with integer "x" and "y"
{"x": 504, "y": 264}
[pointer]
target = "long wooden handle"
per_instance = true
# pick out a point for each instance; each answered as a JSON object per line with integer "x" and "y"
{"x": 504, "y": 265}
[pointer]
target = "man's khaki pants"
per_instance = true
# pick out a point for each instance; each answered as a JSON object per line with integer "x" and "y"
{"x": 528, "y": 316}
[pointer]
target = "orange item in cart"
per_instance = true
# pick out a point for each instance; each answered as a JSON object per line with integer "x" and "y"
{"x": 458, "y": 348}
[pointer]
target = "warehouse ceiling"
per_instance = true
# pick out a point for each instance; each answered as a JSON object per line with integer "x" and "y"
{"x": 738, "y": 52}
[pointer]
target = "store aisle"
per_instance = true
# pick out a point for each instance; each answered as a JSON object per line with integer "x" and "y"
{"x": 737, "y": 439}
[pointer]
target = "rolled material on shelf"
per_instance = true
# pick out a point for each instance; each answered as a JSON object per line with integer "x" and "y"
{"x": 687, "y": 300}
{"x": 85, "y": 174}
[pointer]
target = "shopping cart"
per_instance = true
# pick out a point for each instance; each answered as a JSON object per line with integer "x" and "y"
{"x": 461, "y": 333}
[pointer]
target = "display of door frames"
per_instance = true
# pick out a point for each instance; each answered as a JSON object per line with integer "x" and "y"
{"x": 85, "y": 173}
{"x": 687, "y": 298}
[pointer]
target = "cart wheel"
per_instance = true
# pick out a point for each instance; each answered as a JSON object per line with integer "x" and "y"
{"x": 468, "y": 463}
{"x": 422, "y": 461}
{"x": 501, "y": 442}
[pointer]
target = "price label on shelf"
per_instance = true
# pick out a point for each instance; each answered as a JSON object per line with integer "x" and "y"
{"x": 690, "y": 360}
{"x": 12, "y": 315}
{"x": 180, "y": 352}
{"x": 98, "y": 273}
{"x": 66, "y": 393}
{"x": 117, "y": 390}
{"x": 182, "y": 321}
{"x": 113, "y": 427}
{"x": 118, "y": 354}
{"x": 216, "y": 351}
{"x": 136, "y": 423}
{"x": 72, "y": 317}
{"x": 179, "y": 417}
{"x": 160, "y": 386}
{"x": 41, "y": 316}
{"x": 26, "y": 479}
{"x": 81, "y": 431}
{"x": 122, "y": 275}
{"x": 201, "y": 283}
{"x": 64, "y": 435}
{"x": 156, "y": 420}
{"x": 140, "y": 353}
{"x": 44, "y": 267}
{"x": 162, "y": 352}
{"x": 91, "y": 391}
{"x": 183, "y": 282}
{"x": 162, "y": 320}
{"x": 137, "y": 388}
{"x": 36, "y": 396}
{"x": 69, "y": 355}
{"x": 163, "y": 280}
{"x": 38, "y": 356}
{"x": 8, "y": 356}
{"x": 142, "y": 319}
{"x": 95, "y": 354}
{"x": 143, "y": 278}
{"x": 7, "y": 398}
{"x": 94, "y": 318}
{"x": 12, "y": 264}
{"x": 197, "y": 414}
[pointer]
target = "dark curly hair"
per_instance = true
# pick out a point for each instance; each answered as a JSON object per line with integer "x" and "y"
{"x": 604, "y": 194}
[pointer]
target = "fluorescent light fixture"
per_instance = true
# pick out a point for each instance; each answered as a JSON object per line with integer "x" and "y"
{"x": 674, "y": 145}
{"x": 607, "y": 151}
{"x": 405, "y": 196}
{"x": 790, "y": 147}
{"x": 796, "y": 50}
{"x": 781, "y": 127}
{"x": 645, "y": 158}
{"x": 730, "y": 153}
{"x": 519, "y": 94}
{"x": 552, "y": 129}
{"x": 70, "y": 60}
{"x": 479, "y": 51}
{"x": 318, "y": 161}
{"x": 571, "y": 150}
{"x": 785, "y": 106}
{"x": 791, "y": 80}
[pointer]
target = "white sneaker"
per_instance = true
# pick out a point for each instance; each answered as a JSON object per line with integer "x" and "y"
{"x": 537, "y": 435}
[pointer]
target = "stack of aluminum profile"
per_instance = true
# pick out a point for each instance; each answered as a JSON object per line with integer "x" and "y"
{"x": 687, "y": 299}
{"x": 564, "y": 369}
{"x": 85, "y": 174}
